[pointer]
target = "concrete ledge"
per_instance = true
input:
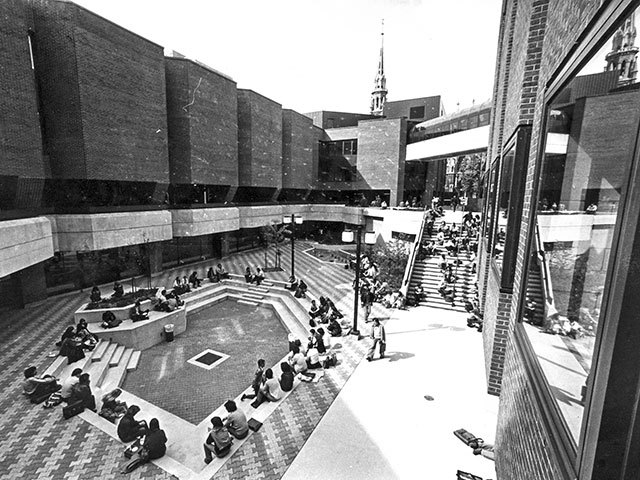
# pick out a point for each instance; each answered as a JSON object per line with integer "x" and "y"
{"x": 121, "y": 313}
{"x": 24, "y": 243}
{"x": 145, "y": 334}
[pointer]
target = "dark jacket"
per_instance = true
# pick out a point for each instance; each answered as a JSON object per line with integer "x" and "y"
{"x": 155, "y": 443}
{"x": 129, "y": 429}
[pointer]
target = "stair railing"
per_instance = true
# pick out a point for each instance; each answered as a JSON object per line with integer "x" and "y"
{"x": 415, "y": 248}
{"x": 545, "y": 274}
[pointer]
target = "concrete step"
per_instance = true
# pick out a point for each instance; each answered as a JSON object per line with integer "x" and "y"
{"x": 252, "y": 296}
{"x": 258, "y": 289}
{"x": 132, "y": 364}
{"x": 98, "y": 370}
{"x": 116, "y": 374}
{"x": 100, "y": 350}
{"x": 248, "y": 302}
{"x": 117, "y": 356}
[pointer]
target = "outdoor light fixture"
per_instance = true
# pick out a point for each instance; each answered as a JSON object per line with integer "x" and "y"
{"x": 369, "y": 239}
{"x": 292, "y": 220}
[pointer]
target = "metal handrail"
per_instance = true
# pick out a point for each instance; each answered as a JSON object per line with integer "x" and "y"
{"x": 408, "y": 271}
{"x": 545, "y": 273}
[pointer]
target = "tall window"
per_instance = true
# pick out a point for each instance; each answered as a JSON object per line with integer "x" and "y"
{"x": 592, "y": 127}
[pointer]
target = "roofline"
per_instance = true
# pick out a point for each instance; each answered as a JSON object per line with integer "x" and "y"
{"x": 68, "y": 2}
{"x": 201, "y": 65}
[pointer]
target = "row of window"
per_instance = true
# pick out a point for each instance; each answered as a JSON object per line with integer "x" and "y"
{"x": 587, "y": 154}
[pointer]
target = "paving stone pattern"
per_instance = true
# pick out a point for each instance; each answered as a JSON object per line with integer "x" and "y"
{"x": 36, "y": 443}
{"x": 243, "y": 332}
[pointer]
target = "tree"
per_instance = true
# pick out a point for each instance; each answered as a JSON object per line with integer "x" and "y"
{"x": 469, "y": 170}
{"x": 274, "y": 234}
{"x": 391, "y": 258}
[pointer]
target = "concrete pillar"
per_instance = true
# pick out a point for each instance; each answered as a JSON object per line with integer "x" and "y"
{"x": 155, "y": 257}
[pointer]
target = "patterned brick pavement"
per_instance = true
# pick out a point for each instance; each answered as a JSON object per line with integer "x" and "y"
{"x": 39, "y": 444}
{"x": 243, "y": 332}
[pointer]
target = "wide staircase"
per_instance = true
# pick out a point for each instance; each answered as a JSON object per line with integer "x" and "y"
{"x": 107, "y": 366}
{"x": 427, "y": 273}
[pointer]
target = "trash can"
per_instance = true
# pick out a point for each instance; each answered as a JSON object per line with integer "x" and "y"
{"x": 168, "y": 332}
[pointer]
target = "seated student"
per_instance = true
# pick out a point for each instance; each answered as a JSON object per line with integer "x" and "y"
{"x": 89, "y": 340}
{"x": 258, "y": 379}
{"x": 248, "y": 275}
{"x": 313, "y": 310}
{"x": 319, "y": 341}
{"x": 236, "y": 421}
{"x": 259, "y": 276}
{"x": 313, "y": 357}
{"x": 326, "y": 338}
{"x": 286, "y": 379}
{"x": 67, "y": 386}
{"x": 68, "y": 333}
{"x": 137, "y": 314}
{"x": 400, "y": 301}
{"x": 194, "y": 280}
{"x": 129, "y": 428}
{"x": 418, "y": 294}
{"x": 109, "y": 320}
{"x": 298, "y": 361}
{"x": 155, "y": 443}
{"x": 82, "y": 391}
{"x": 270, "y": 390}
{"x": 221, "y": 273}
{"x": 180, "y": 287}
{"x": 211, "y": 275}
{"x": 118, "y": 289}
{"x": 293, "y": 283}
{"x": 333, "y": 308}
{"x": 301, "y": 291}
{"x": 34, "y": 386}
{"x": 334, "y": 328}
{"x": 72, "y": 348}
{"x": 95, "y": 296}
{"x": 111, "y": 407}
{"x": 218, "y": 441}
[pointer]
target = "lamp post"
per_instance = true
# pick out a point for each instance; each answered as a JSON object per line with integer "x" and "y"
{"x": 369, "y": 239}
{"x": 292, "y": 220}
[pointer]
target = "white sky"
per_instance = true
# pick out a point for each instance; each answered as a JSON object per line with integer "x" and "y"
{"x": 323, "y": 54}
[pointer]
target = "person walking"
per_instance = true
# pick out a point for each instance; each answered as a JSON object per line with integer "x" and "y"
{"x": 379, "y": 337}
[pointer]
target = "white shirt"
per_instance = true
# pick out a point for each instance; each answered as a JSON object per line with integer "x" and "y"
{"x": 67, "y": 386}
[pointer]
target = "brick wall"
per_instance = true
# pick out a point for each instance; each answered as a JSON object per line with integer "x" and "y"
{"x": 297, "y": 150}
{"x": 382, "y": 146}
{"x": 524, "y": 446}
{"x": 20, "y": 140}
{"x": 104, "y": 96}
{"x": 259, "y": 140}
{"x": 202, "y": 115}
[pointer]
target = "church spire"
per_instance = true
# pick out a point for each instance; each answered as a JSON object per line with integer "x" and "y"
{"x": 379, "y": 94}
{"x": 623, "y": 54}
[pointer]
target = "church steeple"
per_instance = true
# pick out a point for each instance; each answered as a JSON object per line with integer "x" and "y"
{"x": 379, "y": 94}
{"x": 623, "y": 54}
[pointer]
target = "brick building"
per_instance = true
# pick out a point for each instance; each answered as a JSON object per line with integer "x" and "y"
{"x": 557, "y": 263}
{"x": 120, "y": 161}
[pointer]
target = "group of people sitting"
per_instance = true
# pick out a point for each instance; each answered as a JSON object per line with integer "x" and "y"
{"x": 167, "y": 301}
{"x": 299, "y": 287}
{"x": 224, "y": 430}
{"x": 218, "y": 274}
{"x": 251, "y": 277}
{"x": 323, "y": 313}
{"x": 75, "y": 388}
{"x": 151, "y": 438}
{"x": 75, "y": 340}
{"x": 447, "y": 287}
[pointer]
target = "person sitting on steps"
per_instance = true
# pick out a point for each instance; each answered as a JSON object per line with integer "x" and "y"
{"x": 218, "y": 441}
{"x": 129, "y": 428}
{"x": 270, "y": 391}
{"x": 35, "y": 386}
{"x": 95, "y": 296}
{"x": 137, "y": 314}
{"x": 236, "y": 421}
{"x": 221, "y": 273}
